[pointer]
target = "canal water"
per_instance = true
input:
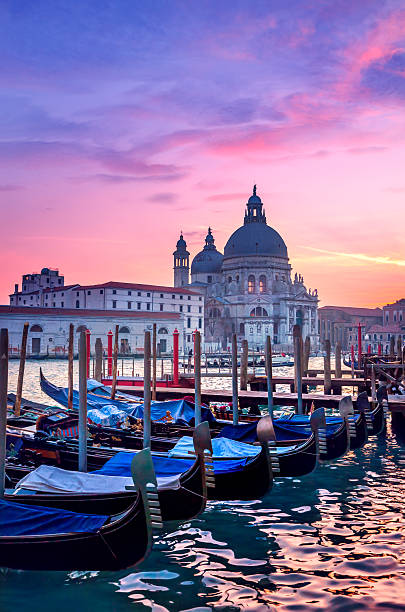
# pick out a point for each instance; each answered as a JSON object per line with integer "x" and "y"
{"x": 332, "y": 540}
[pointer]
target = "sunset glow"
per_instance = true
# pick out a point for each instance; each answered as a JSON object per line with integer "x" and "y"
{"x": 123, "y": 123}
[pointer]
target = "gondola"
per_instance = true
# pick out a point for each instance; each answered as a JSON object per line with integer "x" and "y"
{"x": 375, "y": 418}
{"x": 183, "y": 502}
{"x": 41, "y": 538}
{"x": 248, "y": 478}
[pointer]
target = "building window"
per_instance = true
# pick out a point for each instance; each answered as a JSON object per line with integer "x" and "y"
{"x": 148, "y": 295}
{"x": 54, "y": 295}
{"x": 114, "y": 292}
{"x": 30, "y": 298}
{"x": 188, "y": 308}
{"x": 148, "y": 306}
{"x": 114, "y": 304}
{"x": 181, "y": 308}
{"x": 163, "y": 330}
{"x": 62, "y": 304}
{"x": 209, "y": 279}
{"x": 262, "y": 284}
{"x": 200, "y": 309}
{"x": 200, "y": 323}
{"x": 181, "y": 297}
{"x": 188, "y": 322}
{"x": 53, "y": 304}
{"x": 129, "y": 305}
{"x": 258, "y": 312}
{"x": 139, "y": 294}
{"x": 129, "y": 292}
{"x": 242, "y": 328}
{"x": 189, "y": 297}
{"x": 77, "y": 294}
{"x": 173, "y": 297}
{"x": 89, "y": 293}
{"x": 161, "y": 295}
{"x": 63, "y": 293}
{"x": 237, "y": 278}
{"x": 200, "y": 299}
{"x": 101, "y": 291}
{"x": 161, "y": 307}
{"x": 138, "y": 305}
{"x": 77, "y": 304}
{"x": 251, "y": 284}
{"x": 25, "y": 302}
{"x": 229, "y": 279}
{"x": 36, "y": 328}
{"x": 188, "y": 338}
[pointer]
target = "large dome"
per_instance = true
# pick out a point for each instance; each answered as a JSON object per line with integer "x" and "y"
{"x": 209, "y": 260}
{"x": 255, "y": 237}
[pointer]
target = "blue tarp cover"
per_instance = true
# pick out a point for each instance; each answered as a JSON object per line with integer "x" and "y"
{"x": 120, "y": 465}
{"x": 300, "y": 424}
{"x": 222, "y": 447}
{"x": 242, "y": 433}
{"x": 180, "y": 410}
{"x": 18, "y": 520}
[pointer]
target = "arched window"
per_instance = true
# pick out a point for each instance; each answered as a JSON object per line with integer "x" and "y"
{"x": 300, "y": 318}
{"x": 124, "y": 330}
{"x": 229, "y": 279}
{"x": 251, "y": 284}
{"x": 262, "y": 284}
{"x": 163, "y": 330}
{"x": 77, "y": 304}
{"x": 259, "y": 312}
{"x": 214, "y": 313}
{"x": 242, "y": 328}
{"x": 81, "y": 328}
{"x": 36, "y": 328}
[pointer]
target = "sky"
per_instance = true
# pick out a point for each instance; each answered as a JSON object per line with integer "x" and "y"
{"x": 123, "y": 122}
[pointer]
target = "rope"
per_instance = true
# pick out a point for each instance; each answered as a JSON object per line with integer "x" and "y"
{"x": 108, "y": 546}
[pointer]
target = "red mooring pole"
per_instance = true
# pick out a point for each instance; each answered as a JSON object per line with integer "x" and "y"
{"x": 176, "y": 357}
{"x": 379, "y": 349}
{"x": 359, "y": 347}
{"x": 109, "y": 353}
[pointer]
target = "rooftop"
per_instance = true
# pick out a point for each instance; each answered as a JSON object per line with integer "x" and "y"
{"x": 138, "y": 287}
{"x": 352, "y": 310}
{"x": 84, "y": 312}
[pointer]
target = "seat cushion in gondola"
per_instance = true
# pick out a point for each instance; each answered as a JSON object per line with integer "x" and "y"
{"x": 51, "y": 479}
{"x": 21, "y": 520}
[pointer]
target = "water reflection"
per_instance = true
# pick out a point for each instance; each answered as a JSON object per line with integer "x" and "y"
{"x": 332, "y": 540}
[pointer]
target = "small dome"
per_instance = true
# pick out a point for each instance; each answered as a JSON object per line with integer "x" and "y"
{"x": 181, "y": 243}
{"x": 207, "y": 262}
{"x": 45, "y": 271}
{"x": 254, "y": 199}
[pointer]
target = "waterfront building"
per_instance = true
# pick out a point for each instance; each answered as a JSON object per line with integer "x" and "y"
{"x": 47, "y": 291}
{"x": 248, "y": 289}
{"x": 340, "y": 324}
{"x": 49, "y": 328}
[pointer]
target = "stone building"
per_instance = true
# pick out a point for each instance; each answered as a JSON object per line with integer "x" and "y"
{"x": 340, "y": 324}
{"x": 248, "y": 289}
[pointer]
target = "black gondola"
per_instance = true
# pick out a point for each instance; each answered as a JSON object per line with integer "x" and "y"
{"x": 375, "y": 419}
{"x": 183, "y": 503}
{"x": 119, "y": 542}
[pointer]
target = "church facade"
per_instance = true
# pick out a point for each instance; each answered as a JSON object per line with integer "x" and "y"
{"x": 248, "y": 289}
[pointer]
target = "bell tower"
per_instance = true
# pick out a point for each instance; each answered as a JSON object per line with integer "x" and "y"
{"x": 181, "y": 263}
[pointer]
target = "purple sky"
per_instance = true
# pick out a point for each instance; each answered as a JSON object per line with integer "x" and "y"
{"x": 124, "y": 122}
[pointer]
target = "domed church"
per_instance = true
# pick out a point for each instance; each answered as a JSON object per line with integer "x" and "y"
{"x": 248, "y": 289}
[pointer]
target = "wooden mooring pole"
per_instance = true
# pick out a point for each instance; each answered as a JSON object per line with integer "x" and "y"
{"x": 99, "y": 360}
{"x": 298, "y": 366}
{"x": 307, "y": 352}
{"x": 3, "y": 405}
{"x": 146, "y": 392}
{"x": 82, "y": 402}
{"x": 269, "y": 373}
{"x": 244, "y": 365}
{"x": 235, "y": 407}
{"x": 23, "y": 354}
{"x": 70, "y": 366}
{"x": 115, "y": 365}
{"x": 338, "y": 365}
{"x": 197, "y": 378}
{"x": 326, "y": 367}
{"x": 392, "y": 348}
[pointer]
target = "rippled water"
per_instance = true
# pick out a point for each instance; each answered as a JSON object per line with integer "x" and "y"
{"x": 332, "y": 540}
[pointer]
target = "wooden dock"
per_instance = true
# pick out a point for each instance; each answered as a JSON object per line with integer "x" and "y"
{"x": 255, "y": 398}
